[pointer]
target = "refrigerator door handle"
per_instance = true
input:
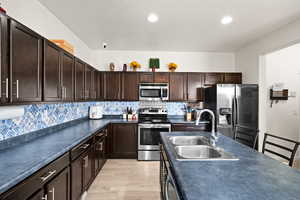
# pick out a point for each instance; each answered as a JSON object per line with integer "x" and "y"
{"x": 236, "y": 111}
{"x": 233, "y": 114}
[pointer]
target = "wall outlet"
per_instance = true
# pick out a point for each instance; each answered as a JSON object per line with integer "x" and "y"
{"x": 292, "y": 93}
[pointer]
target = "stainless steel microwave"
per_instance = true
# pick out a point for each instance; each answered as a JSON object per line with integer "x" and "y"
{"x": 154, "y": 92}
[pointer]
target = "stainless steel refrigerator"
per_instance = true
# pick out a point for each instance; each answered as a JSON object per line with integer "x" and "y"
{"x": 233, "y": 104}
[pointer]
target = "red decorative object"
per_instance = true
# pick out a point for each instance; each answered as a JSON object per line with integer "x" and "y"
{"x": 153, "y": 69}
{"x": 2, "y": 10}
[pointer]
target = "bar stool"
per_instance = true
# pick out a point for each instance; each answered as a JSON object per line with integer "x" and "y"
{"x": 246, "y": 135}
{"x": 291, "y": 151}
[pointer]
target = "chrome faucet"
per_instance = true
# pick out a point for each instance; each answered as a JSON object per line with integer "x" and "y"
{"x": 214, "y": 136}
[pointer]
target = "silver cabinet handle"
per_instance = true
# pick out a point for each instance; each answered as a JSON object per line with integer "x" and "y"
{"x": 62, "y": 92}
{"x": 85, "y": 146}
{"x": 45, "y": 197}
{"x": 65, "y": 89}
{"x": 53, "y": 193}
{"x": 6, "y": 87}
{"x": 86, "y": 161}
{"x": 17, "y": 88}
{"x": 44, "y": 178}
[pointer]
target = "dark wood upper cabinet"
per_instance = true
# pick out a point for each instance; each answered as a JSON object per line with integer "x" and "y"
{"x": 59, "y": 187}
{"x": 161, "y": 77}
{"x": 79, "y": 80}
{"x": 124, "y": 141}
{"x": 146, "y": 77}
{"x": 4, "y": 69}
{"x": 130, "y": 86}
{"x": 89, "y": 83}
{"x": 25, "y": 63}
{"x": 233, "y": 78}
{"x": 178, "y": 86}
{"x": 99, "y": 85}
{"x": 52, "y": 89}
{"x": 195, "y": 86}
{"x": 112, "y": 85}
{"x": 213, "y": 78}
{"x": 67, "y": 74}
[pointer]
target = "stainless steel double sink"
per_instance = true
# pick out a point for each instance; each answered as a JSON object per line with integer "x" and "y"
{"x": 198, "y": 148}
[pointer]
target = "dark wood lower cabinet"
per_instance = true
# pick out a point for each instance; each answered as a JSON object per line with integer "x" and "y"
{"x": 59, "y": 187}
{"x": 38, "y": 196}
{"x": 190, "y": 127}
{"x": 76, "y": 178}
{"x": 123, "y": 141}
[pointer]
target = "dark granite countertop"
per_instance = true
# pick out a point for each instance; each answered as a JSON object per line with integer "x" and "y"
{"x": 253, "y": 176}
{"x": 21, "y": 161}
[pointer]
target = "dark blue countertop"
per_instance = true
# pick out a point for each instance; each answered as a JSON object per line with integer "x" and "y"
{"x": 253, "y": 176}
{"x": 19, "y": 162}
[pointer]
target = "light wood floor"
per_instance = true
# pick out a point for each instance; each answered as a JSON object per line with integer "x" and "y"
{"x": 126, "y": 180}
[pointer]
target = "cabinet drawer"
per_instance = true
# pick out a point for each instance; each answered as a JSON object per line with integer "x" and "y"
{"x": 81, "y": 148}
{"x": 32, "y": 184}
{"x": 189, "y": 127}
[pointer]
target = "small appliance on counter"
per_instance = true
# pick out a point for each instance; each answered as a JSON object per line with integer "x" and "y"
{"x": 96, "y": 112}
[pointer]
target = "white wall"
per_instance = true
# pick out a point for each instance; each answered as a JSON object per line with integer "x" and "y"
{"x": 187, "y": 61}
{"x": 283, "y": 66}
{"x": 247, "y": 58}
{"x": 34, "y": 15}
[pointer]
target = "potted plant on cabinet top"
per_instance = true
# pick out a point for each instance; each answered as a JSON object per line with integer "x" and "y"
{"x": 154, "y": 64}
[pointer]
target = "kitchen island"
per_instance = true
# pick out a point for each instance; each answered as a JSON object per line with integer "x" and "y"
{"x": 253, "y": 176}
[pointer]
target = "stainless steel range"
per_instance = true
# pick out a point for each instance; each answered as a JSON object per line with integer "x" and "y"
{"x": 152, "y": 121}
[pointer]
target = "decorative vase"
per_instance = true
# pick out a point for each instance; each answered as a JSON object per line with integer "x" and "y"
{"x": 134, "y": 69}
{"x": 153, "y": 69}
{"x": 112, "y": 67}
{"x": 172, "y": 70}
{"x": 124, "y": 68}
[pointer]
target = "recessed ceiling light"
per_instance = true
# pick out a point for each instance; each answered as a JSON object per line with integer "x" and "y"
{"x": 227, "y": 20}
{"x": 152, "y": 18}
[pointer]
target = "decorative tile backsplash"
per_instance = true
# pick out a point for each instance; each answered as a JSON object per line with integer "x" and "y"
{"x": 39, "y": 116}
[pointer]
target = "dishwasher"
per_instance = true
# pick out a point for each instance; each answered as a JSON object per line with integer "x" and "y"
{"x": 168, "y": 186}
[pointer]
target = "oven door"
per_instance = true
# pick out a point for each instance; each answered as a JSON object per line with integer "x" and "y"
{"x": 148, "y": 135}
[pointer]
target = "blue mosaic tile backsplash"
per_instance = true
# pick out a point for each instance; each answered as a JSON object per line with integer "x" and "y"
{"x": 39, "y": 116}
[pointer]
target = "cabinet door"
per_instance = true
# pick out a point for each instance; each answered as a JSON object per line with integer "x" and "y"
{"x": 99, "y": 85}
{"x": 88, "y": 168}
{"x": 195, "y": 85}
{"x": 99, "y": 154}
{"x": 77, "y": 178}
{"x": 213, "y": 78}
{"x": 53, "y": 90}
{"x": 25, "y": 63}
{"x": 178, "y": 86}
{"x": 124, "y": 140}
{"x": 79, "y": 80}
{"x": 89, "y": 83}
{"x": 130, "y": 86}
{"x": 59, "y": 187}
{"x": 4, "y": 76}
{"x": 112, "y": 85}
{"x": 67, "y": 74}
{"x": 161, "y": 77}
{"x": 233, "y": 78}
{"x": 146, "y": 77}
{"x": 38, "y": 196}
